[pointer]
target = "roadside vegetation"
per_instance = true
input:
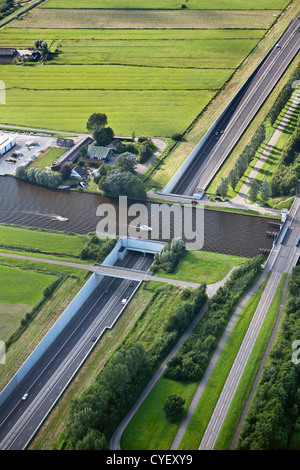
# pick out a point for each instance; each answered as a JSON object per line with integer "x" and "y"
{"x": 277, "y": 179}
{"x": 7, "y": 7}
{"x": 185, "y": 369}
{"x": 202, "y": 266}
{"x": 131, "y": 366}
{"x": 272, "y": 422}
{"x": 35, "y": 298}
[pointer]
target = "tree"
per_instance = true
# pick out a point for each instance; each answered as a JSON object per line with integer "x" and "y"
{"x": 254, "y": 189}
{"x": 93, "y": 440}
{"x": 265, "y": 191}
{"x": 21, "y": 173}
{"x": 102, "y": 135}
{"x": 126, "y": 161}
{"x": 118, "y": 182}
{"x": 65, "y": 172}
{"x": 173, "y": 407}
{"x": 222, "y": 188}
{"x": 145, "y": 150}
{"x": 233, "y": 178}
{"x": 96, "y": 120}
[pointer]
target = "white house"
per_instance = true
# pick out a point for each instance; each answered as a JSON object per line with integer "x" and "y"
{"x": 7, "y": 142}
{"x": 78, "y": 173}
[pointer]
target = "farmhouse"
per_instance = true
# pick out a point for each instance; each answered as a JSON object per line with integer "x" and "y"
{"x": 7, "y": 142}
{"x": 7, "y": 55}
{"x": 78, "y": 173}
{"x": 99, "y": 153}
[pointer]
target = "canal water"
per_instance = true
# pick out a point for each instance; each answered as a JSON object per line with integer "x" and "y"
{"x": 34, "y": 206}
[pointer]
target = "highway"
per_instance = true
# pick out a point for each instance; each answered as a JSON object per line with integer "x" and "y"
{"x": 217, "y": 148}
{"x": 20, "y": 419}
{"x": 282, "y": 259}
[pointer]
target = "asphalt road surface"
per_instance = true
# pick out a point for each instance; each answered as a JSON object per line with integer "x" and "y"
{"x": 214, "y": 152}
{"x": 20, "y": 419}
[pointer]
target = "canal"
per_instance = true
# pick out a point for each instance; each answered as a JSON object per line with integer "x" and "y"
{"x": 35, "y": 206}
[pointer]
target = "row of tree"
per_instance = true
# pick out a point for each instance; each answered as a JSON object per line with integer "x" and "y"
{"x": 242, "y": 162}
{"x": 191, "y": 303}
{"x": 96, "y": 248}
{"x": 283, "y": 97}
{"x": 94, "y": 416}
{"x": 39, "y": 176}
{"x": 169, "y": 257}
{"x": 121, "y": 180}
{"x": 7, "y": 7}
{"x": 287, "y": 173}
{"x": 274, "y": 413}
{"x": 192, "y": 359}
{"x": 143, "y": 148}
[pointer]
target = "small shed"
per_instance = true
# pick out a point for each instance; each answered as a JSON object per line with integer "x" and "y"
{"x": 64, "y": 142}
{"x": 7, "y": 55}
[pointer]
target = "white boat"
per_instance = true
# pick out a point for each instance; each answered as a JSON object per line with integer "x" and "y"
{"x": 60, "y": 218}
{"x": 145, "y": 227}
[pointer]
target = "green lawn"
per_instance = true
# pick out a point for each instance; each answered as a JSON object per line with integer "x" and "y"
{"x": 46, "y": 158}
{"x": 203, "y": 266}
{"x": 149, "y": 428}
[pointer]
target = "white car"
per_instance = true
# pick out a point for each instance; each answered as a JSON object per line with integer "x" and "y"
{"x": 25, "y": 396}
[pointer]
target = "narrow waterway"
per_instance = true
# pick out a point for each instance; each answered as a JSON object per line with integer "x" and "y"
{"x": 34, "y": 206}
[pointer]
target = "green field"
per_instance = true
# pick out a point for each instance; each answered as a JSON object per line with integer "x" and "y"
{"x": 152, "y": 69}
{"x": 147, "y": 19}
{"x": 168, "y": 76}
{"x": 21, "y": 289}
{"x": 45, "y": 242}
{"x": 170, "y": 4}
{"x": 203, "y": 267}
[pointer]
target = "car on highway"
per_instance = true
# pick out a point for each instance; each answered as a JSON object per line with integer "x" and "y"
{"x": 25, "y": 396}
{"x": 106, "y": 291}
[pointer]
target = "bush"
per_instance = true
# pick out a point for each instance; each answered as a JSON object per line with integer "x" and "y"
{"x": 173, "y": 407}
{"x": 192, "y": 359}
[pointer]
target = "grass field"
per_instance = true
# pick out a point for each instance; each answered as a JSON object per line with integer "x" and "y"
{"x": 46, "y": 242}
{"x": 20, "y": 290}
{"x": 169, "y": 4}
{"x": 151, "y": 69}
{"x": 203, "y": 267}
{"x": 167, "y": 75}
{"x": 147, "y": 19}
